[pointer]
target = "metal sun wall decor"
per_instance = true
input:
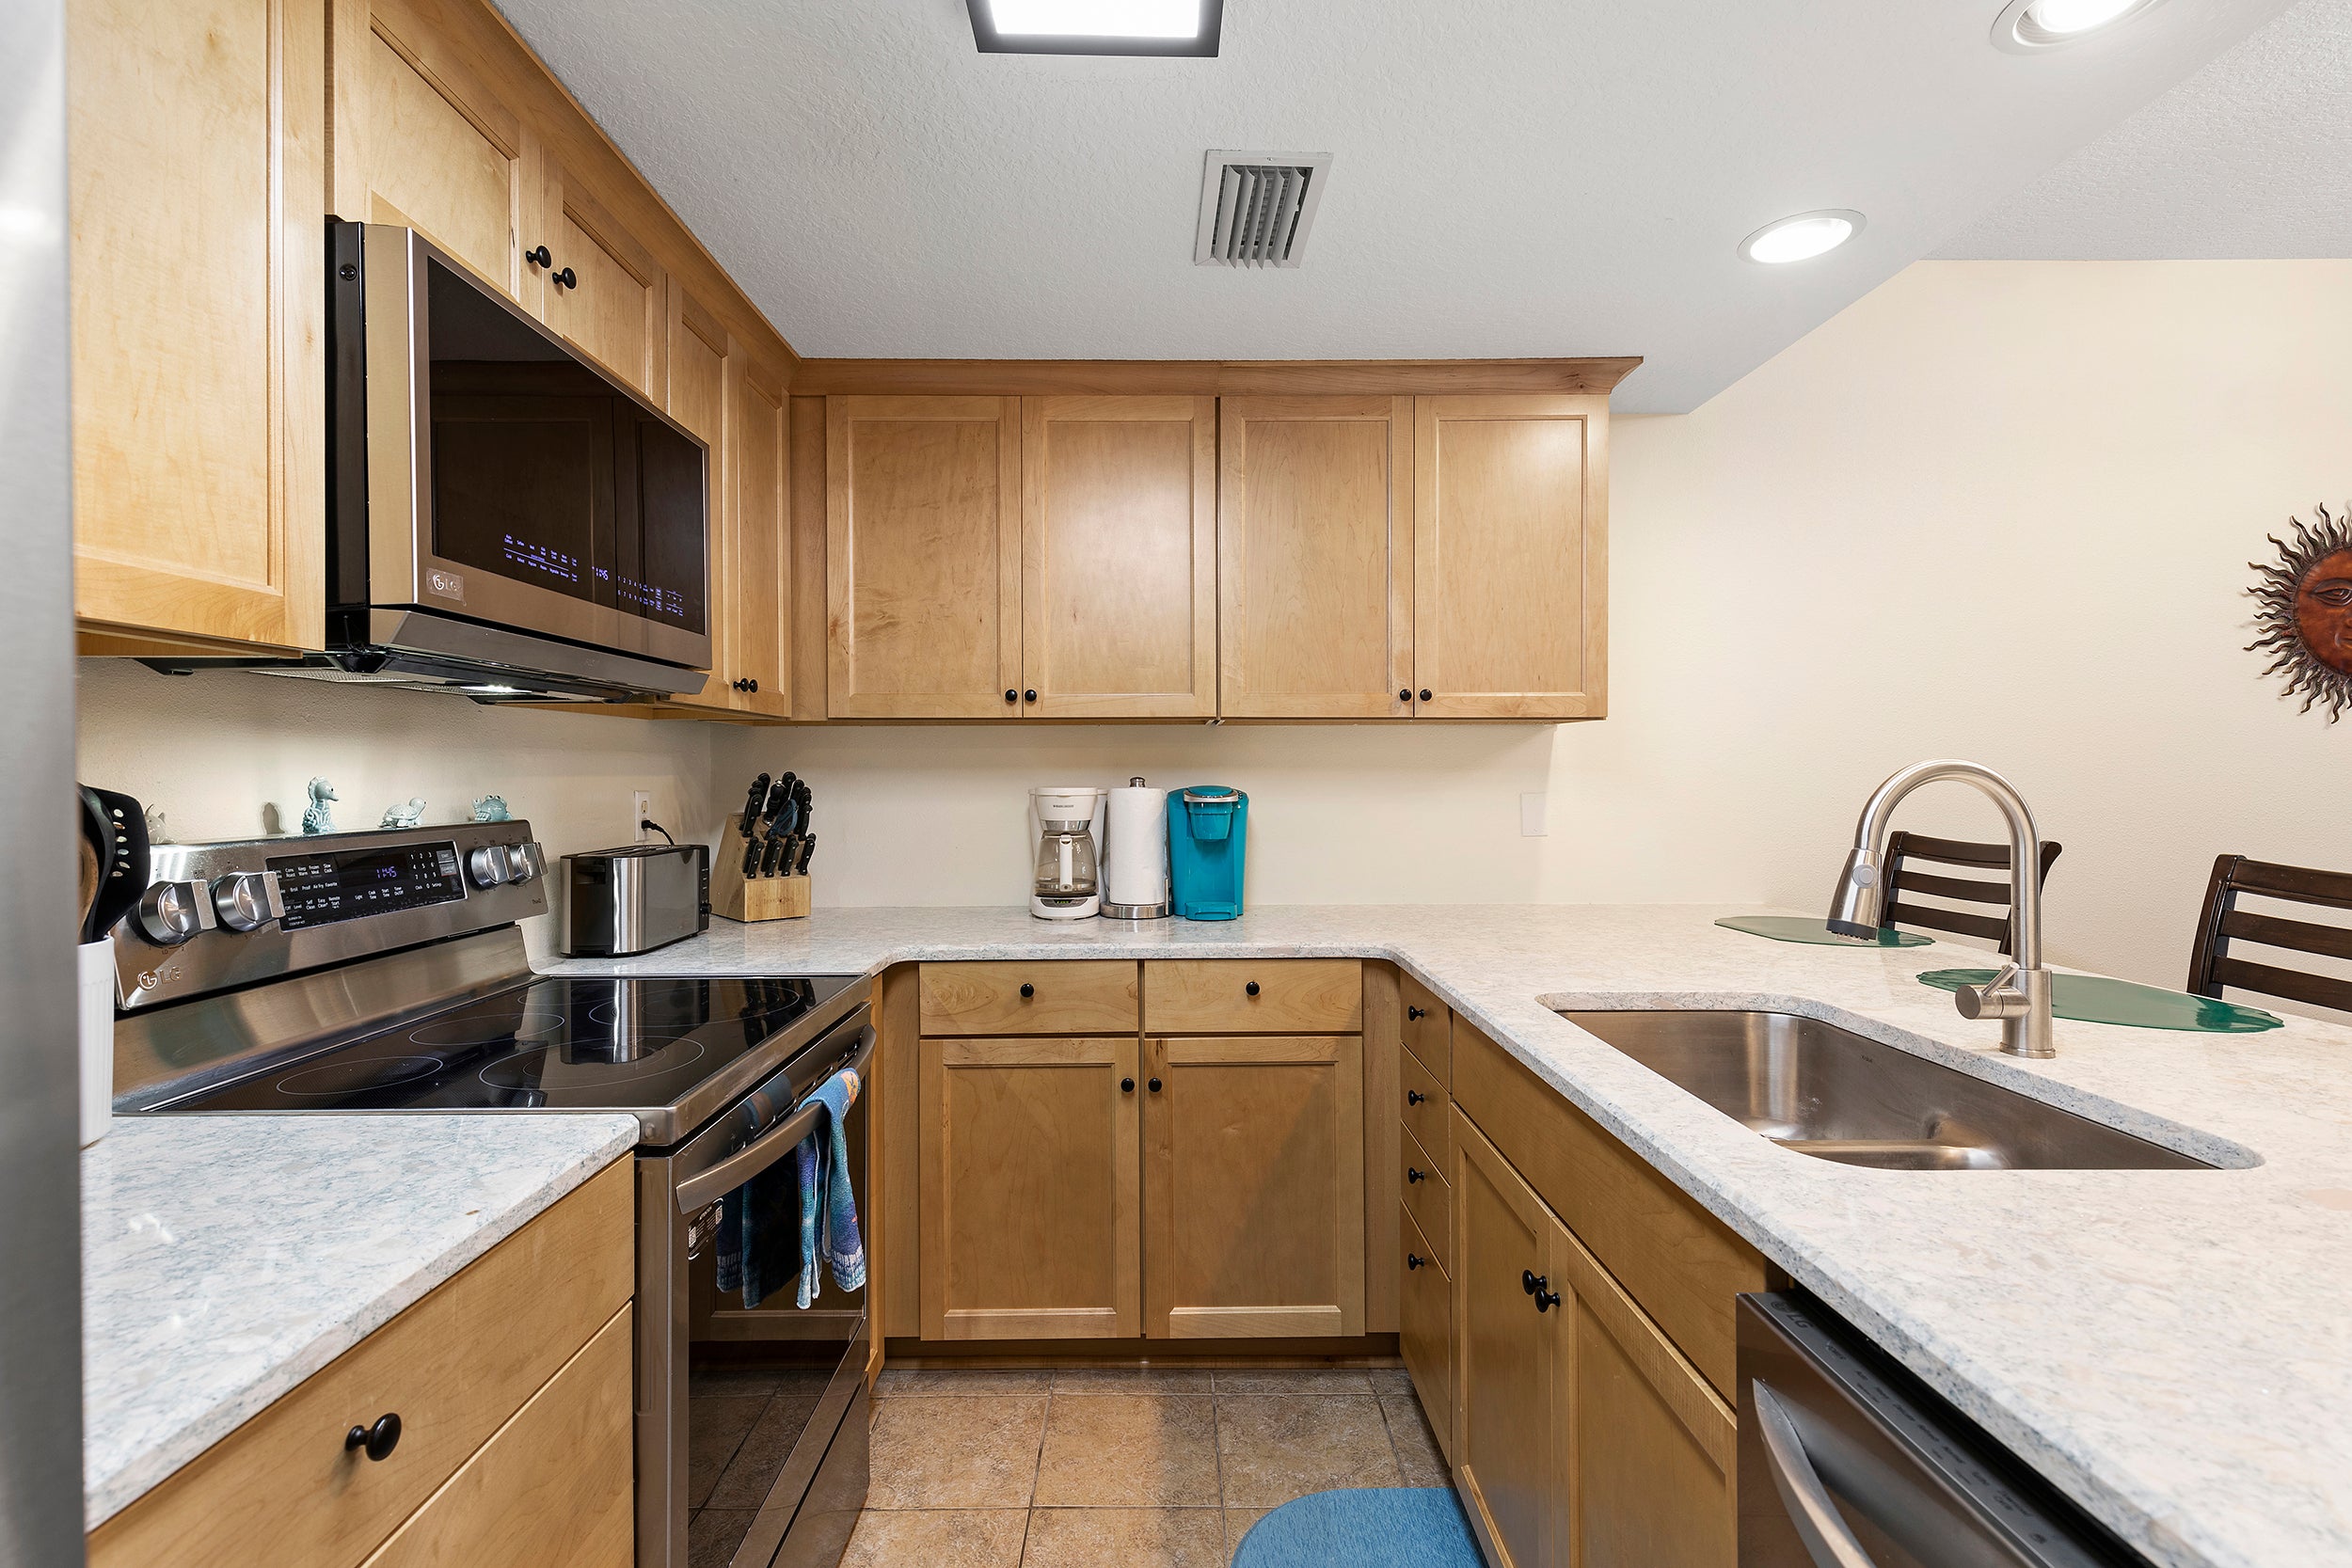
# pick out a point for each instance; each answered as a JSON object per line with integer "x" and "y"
{"x": 2305, "y": 613}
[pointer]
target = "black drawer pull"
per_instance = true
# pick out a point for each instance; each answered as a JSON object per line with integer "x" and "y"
{"x": 378, "y": 1440}
{"x": 1413, "y": 1175}
{"x": 1414, "y": 1015}
{"x": 1027, "y": 989}
{"x": 1251, "y": 988}
{"x": 1414, "y": 1259}
{"x": 1414, "y": 1097}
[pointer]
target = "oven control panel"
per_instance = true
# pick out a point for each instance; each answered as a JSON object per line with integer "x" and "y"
{"x": 319, "y": 890}
{"x": 216, "y": 915}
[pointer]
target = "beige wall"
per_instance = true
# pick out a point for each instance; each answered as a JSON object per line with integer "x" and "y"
{"x": 1995, "y": 510}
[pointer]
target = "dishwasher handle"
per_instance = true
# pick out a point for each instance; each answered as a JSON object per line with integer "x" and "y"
{"x": 1826, "y": 1537}
{"x": 707, "y": 1187}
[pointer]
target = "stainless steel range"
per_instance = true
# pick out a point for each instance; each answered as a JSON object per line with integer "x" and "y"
{"x": 385, "y": 972}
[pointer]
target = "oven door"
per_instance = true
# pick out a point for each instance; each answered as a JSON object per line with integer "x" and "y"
{"x": 751, "y": 1442}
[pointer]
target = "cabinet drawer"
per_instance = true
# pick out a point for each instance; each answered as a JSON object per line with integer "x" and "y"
{"x": 1228, "y": 996}
{"x": 1429, "y": 1028}
{"x": 1425, "y": 1114}
{"x": 553, "y": 1486}
{"x": 1428, "y": 1197}
{"x": 1680, "y": 1263}
{"x": 1425, "y": 1337}
{"x": 1069, "y": 996}
{"x": 282, "y": 1489}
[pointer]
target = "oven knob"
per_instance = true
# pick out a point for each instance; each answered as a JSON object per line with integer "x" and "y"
{"x": 527, "y": 861}
{"x": 172, "y": 913}
{"x": 247, "y": 900}
{"x": 490, "y": 865}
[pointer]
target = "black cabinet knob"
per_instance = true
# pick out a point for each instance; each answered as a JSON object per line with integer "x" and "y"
{"x": 1153, "y": 1085}
{"x": 1424, "y": 693}
{"x": 1414, "y": 1097}
{"x": 1528, "y": 1281}
{"x": 564, "y": 279}
{"x": 1030, "y": 695}
{"x": 1251, "y": 988}
{"x": 1126, "y": 1085}
{"x": 1545, "y": 1300}
{"x": 378, "y": 1440}
{"x": 1413, "y": 1174}
{"x": 1027, "y": 989}
{"x": 1404, "y": 695}
{"x": 751, "y": 684}
{"x": 1414, "y": 1259}
{"x": 1414, "y": 1015}
{"x": 1012, "y": 695}
{"x": 539, "y": 257}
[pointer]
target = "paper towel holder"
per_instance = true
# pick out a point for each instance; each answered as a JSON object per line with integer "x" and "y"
{"x": 1120, "y": 874}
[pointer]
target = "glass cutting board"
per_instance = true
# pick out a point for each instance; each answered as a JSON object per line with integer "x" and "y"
{"x": 1790, "y": 928}
{"x": 2096, "y": 998}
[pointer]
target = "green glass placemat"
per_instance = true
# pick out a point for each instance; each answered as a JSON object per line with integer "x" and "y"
{"x": 2096, "y": 998}
{"x": 1790, "y": 928}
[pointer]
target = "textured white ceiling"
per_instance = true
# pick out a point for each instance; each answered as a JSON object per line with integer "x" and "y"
{"x": 1512, "y": 177}
{"x": 2250, "y": 157}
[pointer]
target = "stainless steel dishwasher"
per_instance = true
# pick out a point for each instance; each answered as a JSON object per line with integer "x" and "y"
{"x": 1847, "y": 1460}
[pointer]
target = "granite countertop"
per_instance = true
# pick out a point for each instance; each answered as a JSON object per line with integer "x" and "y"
{"x": 226, "y": 1258}
{"x": 2173, "y": 1349}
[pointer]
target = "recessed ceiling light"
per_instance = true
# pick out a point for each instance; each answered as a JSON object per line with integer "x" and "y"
{"x": 2028, "y": 26}
{"x": 1802, "y": 237}
{"x": 1179, "y": 27}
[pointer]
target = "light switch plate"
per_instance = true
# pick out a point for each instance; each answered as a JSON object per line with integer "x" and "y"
{"x": 1532, "y": 815}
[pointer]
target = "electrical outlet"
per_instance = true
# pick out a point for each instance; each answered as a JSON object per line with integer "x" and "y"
{"x": 640, "y": 807}
{"x": 1532, "y": 815}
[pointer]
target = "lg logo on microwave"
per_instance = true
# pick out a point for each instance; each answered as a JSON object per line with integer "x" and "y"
{"x": 449, "y": 585}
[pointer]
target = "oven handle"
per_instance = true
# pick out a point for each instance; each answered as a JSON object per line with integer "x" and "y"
{"x": 1827, "y": 1540}
{"x": 702, "y": 1190}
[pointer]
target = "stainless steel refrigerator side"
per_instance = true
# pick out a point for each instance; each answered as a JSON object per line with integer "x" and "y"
{"x": 40, "y": 1289}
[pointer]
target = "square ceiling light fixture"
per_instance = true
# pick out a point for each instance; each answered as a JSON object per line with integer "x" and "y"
{"x": 1168, "y": 27}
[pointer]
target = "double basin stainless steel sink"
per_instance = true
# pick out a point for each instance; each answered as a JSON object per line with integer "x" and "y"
{"x": 1825, "y": 1091}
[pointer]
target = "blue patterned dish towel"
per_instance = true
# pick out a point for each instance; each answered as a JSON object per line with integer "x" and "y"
{"x": 774, "y": 1227}
{"x": 828, "y": 1203}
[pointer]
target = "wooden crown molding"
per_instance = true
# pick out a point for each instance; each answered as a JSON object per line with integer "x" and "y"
{"x": 1206, "y": 377}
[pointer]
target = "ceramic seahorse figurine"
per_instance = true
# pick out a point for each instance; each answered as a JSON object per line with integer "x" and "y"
{"x": 320, "y": 817}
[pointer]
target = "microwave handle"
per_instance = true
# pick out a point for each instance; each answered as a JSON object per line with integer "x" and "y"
{"x": 707, "y": 1187}
{"x": 1826, "y": 1537}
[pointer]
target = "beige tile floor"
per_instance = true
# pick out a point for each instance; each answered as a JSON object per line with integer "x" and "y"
{"x": 1144, "y": 1467}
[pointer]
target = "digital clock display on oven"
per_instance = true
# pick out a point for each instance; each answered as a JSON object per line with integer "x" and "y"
{"x": 321, "y": 889}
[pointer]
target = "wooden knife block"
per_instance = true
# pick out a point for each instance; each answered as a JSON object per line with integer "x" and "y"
{"x": 749, "y": 899}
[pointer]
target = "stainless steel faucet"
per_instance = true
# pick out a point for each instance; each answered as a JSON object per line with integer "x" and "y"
{"x": 2019, "y": 995}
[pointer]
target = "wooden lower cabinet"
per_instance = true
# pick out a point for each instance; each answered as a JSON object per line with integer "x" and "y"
{"x": 529, "y": 1339}
{"x": 1253, "y": 1187}
{"x": 1583, "y": 1438}
{"x": 1027, "y": 1196}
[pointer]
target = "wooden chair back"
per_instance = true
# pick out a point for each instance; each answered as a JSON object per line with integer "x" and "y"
{"x": 1902, "y": 876}
{"x": 2210, "y": 965}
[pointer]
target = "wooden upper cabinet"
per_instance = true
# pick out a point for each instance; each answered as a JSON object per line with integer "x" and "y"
{"x": 1119, "y": 556}
{"x": 923, "y": 557}
{"x": 196, "y": 144}
{"x": 758, "y": 579}
{"x": 1315, "y": 557}
{"x": 696, "y": 397}
{"x": 422, "y": 141}
{"x": 1510, "y": 571}
{"x": 1027, "y": 1203}
{"x": 1253, "y": 1187}
{"x": 614, "y": 308}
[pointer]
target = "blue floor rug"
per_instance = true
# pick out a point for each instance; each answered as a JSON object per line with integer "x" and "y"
{"x": 1389, "y": 1526}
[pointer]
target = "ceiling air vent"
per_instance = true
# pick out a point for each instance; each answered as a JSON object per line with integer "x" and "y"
{"x": 1257, "y": 207}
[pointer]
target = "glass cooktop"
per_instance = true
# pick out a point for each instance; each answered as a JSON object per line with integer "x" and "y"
{"x": 551, "y": 1045}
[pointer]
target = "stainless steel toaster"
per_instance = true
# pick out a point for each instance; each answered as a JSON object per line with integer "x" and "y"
{"x": 634, "y": 898}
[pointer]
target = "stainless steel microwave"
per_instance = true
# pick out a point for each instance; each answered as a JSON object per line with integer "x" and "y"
{"x": 505, "y": 516}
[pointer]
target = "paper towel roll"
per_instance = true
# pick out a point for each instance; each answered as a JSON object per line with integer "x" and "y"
{"x": 1134, "y": 853}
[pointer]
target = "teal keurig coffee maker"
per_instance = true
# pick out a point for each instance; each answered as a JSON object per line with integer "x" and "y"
{"x": 1208, "y": 830}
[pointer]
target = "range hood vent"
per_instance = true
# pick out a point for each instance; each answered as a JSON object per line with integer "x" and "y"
{"x": 1257, "y": 207}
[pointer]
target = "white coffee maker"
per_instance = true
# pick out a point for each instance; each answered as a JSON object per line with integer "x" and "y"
{"x": 1066, "y": 825}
